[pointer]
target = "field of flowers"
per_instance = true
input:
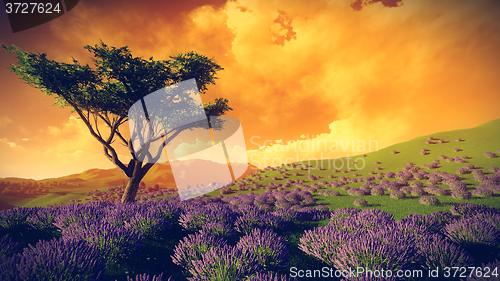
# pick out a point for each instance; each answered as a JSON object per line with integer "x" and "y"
{"x": 242, "y": 237}
{"x": 438, "y": 210}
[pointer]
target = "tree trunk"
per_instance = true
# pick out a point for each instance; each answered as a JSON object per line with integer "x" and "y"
{"x": 133, "y": 183}
{"x": 131, "y": 190}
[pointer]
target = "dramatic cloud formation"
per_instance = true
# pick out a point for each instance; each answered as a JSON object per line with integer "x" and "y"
{"x": 359, "y": 4}
{"x": 297, "y": 73}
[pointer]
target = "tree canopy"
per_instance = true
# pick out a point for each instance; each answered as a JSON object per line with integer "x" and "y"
{"x": 102, "y": 93}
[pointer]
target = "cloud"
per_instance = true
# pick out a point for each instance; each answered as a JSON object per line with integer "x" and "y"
{"x": 348, "y": 137}
{"x": 283, "y": 29}
{"x": 8, "y": 143}
{"x": 359, "y": 4}
{"x": 5, "y": 121}
{"x": 70, "y": 150}
{"x": 315, "y": 69}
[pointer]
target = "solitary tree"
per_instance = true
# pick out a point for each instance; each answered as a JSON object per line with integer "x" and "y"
{"x": 102, "y": 94}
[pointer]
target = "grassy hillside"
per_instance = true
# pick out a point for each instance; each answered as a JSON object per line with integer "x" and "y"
{"x": 452, "y": 150}
{"x": 449, "y": 151}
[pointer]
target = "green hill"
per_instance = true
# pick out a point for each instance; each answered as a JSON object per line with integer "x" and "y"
{"x": 449, "y": 151}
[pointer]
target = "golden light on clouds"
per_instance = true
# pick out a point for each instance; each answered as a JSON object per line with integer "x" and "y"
{"x": 316, "y": 69}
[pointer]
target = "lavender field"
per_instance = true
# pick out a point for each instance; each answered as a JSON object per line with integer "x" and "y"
{"x": 233, "y": 140}
{"x": 439, "y": 210}
{"x": 246, "y": 237}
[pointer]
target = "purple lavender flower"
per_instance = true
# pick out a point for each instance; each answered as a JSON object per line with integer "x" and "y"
{"x": 377, "y": 191}
{"x": 14, "y": 220}
{"x": 468, "y": 209}
{"x": 417, "y": 191}
{"x": 386, "y": 248}
{"x": 360, "y": 202}
{"x": 8, "y": 247}
{"x": 149, "y": 223}
{"x": 311, "y": 213}
{"x": 414, "y": 228}
{"x": 434, "y": 190}
{"x": 254, "y": 218}
{"x": 484, "y": 191}
{"x": 322, "y": 243}
{"x": 429, "y": 200}
{"x": 438, "y": 252}
{"x": 8, "y": 269}
{"x": 471, "y": 232}
{"x": 490, "y": 154}
{"x": 464, "y": 170}
{"x": 116, "y": 243}
{"x": 59, "y": 260}
{"x": 341, "y": 215}
{"x": 396, "y": 194}
{"x": 288, "y": 216}
{"x": 194, "y": 217}
{"x": 456, "y": 185}
{"x": 223, "y": 263}
{"x": 284, "y": 204}
{"x": 42, "y": 219}
{"x": 218, "y": 228}
{"x": 192, "y": 247}
{"x": 121, "y": 214}
{"x": 357, "y": 191}
{"x": 431, "y": 223}
{"x": 268, "y": 248}
{"x": 28, "y": 225}
{"x": 369, "y": 219}
{"x": 71, "y": 214}
{"x": 459, "y": 194}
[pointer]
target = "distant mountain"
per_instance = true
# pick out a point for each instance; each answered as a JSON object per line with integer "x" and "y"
{"x": 97, "y": 178}
{"x": 18, "y": 191}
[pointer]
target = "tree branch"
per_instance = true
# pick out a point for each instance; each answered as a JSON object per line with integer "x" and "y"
{"x": 110, "y": 152}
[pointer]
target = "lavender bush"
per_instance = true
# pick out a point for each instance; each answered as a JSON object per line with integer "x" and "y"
{"x": 116, "y": 243}
{"x": 58, "y": 260}
{"x": 322, "y": 243}
{"x": 8, "y": 247}
{"x": 192, "y": 247}
{"x": 360, "y": 202}
{"x": 431, "y": 223}
{"x": 222, "y": 264}
{"x": 473, "y": 232}
{"x": 387, "y": 248}
{"x": 438, "y": 252}
{"x": 266, "y": 246}
{"x": 252, "y": 217}
{"x": 429, "y": 200}
{"x": 194, "y": 217}
{"x": 28, "y": 225}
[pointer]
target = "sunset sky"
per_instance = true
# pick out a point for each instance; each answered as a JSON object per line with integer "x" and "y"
{"x": 307, "y": 79}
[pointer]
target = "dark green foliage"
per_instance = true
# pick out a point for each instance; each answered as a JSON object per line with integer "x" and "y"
{"x": 102, "y": 94}
{"x": 117, "y": 80}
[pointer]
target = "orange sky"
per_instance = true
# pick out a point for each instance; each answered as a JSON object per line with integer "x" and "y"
{"x": 308, "y": 79}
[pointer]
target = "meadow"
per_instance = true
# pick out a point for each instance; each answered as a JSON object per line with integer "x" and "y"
{"x": 432, "y": 202}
